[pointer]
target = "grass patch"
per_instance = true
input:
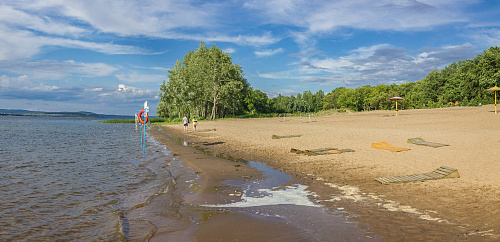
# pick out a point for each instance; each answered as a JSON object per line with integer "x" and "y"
{"x": 118, "y": 121}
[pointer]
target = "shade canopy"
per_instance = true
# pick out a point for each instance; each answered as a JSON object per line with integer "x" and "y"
{"x": 395, "y": 98}
{"x": 495, "y": 88}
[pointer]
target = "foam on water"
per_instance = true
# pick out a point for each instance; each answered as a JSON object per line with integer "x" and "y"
{"x": 272, "y": 198}
{"x": 271, "y": 191}
{"x": 291, "y": 195}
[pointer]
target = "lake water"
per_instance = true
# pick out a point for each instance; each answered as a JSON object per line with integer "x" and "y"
{"x": 77, "y": 179}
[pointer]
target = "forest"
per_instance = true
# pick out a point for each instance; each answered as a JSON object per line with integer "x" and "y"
{"x": 207, "y": 84}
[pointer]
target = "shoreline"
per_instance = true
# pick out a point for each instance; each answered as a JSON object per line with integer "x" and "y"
{"x": 219, "y": 213}
{"x": 211, "y": 223}
{"x": 451, "y": 209}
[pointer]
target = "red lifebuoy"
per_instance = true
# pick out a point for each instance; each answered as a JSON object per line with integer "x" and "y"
{"x": 145, "y": 117}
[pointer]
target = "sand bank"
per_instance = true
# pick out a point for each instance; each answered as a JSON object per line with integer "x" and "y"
{"x": 452, "y": 209}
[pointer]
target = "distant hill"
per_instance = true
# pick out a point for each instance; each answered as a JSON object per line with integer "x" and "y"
{"x": 81, "y": 114}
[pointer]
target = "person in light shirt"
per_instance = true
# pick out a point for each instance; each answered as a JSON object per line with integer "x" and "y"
{"x": 186, "y": 121}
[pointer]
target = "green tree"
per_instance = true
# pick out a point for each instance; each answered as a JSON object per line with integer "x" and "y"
{"x": 318, "y": 101}
{"x": 176, "y": 96}
{"x": 205, "y": 79}
{"x": 256, "y": 101}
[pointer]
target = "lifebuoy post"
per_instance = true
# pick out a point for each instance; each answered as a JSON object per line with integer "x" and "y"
{"x": 143, "y": 122}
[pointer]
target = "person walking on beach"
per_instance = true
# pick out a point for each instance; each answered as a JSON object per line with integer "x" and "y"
{"x": 194, "y": 123}
{"x": 185, "y": 120}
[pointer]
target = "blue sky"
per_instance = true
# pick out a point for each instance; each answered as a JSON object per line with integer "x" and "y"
{"x": 110, "y": 56}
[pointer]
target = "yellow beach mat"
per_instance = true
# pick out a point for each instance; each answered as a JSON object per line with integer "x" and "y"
{"x": 385, "y": 146}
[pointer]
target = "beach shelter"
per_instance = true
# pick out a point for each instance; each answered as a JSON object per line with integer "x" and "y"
{"x": 495, "y": 88}
{"x": 396, "y": 100}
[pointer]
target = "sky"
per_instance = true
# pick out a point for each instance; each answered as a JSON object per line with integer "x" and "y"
{"x": 109, "y": 57}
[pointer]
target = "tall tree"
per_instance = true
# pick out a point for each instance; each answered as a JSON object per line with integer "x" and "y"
{"x": 205, "y": 77}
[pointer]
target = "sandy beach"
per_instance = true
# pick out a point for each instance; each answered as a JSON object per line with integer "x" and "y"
{"x": 452, "y": 209}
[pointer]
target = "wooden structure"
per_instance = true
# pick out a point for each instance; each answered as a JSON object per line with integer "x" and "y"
{"x": 440, "y": 173}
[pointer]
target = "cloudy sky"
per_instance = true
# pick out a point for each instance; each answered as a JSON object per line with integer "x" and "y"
{"x": 110, "y": 56}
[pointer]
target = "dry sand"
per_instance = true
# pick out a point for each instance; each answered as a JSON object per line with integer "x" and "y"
{"x": 452, "y": 209}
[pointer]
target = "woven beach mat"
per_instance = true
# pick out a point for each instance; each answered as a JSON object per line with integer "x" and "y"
{"x": 321, "y": 151}
{"x": 420, "y": 141}
{"x": 386, "y": 146}
{"x": 440, "y": 173}
{"x": 285, "y": 136}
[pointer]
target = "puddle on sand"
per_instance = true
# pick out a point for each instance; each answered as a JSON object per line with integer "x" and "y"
{"x": 270, "y": 191}
{"x": 277, "y": 197}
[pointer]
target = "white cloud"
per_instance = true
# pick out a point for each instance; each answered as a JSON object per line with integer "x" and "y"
{"x": 23, "y": 93}
{"x": 486, "y": 37}
{"x": 281, "y": 75}
{"x": 93, "y": 69}
{"x": 331, "y": 64}
{"x": 21, "y": 44}
{"x": 32, "y": 25}
{"x": 148, "y": 18}
{"x": 23, "y": 87}
{"x": 326, "y": 16}
{"x": 373, "y": 65}
{"x": 17, "y": 44}
{"x": 155, "y": 68}
{"x": 133, "y": 93}
{"x": 164, "y": 19}
{"x": 313, "y": 19}
{"x": 134, "y": 78}
{"x": 253, "y": 40}
{"x": 54, "y": 70}
{"x": 282, "y": 92}
{"x": 230, "y": 50}
{"x": 23, "y": 82}
{"x": 48, "y": 25}
{"x": 268, "y": 52}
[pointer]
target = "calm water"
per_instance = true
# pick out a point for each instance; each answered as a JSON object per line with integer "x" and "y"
{"x": 77, "y": 179}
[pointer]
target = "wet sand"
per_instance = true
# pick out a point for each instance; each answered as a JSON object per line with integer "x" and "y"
{"x": 446, "y": 209}
{"x": 199, "y": 221}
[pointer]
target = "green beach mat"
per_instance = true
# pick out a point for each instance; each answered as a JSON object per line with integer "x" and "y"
{"x": 420, "y": 141}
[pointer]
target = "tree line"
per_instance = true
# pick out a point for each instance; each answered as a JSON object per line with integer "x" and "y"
{"x": 207, "y": 84}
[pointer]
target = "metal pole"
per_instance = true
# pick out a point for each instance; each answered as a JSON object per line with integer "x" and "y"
{"x": 396, "y": 107}
{"x": 144, "y": 139}
{"x": 495, "y": 102}
{"x": 142, "y": 130}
